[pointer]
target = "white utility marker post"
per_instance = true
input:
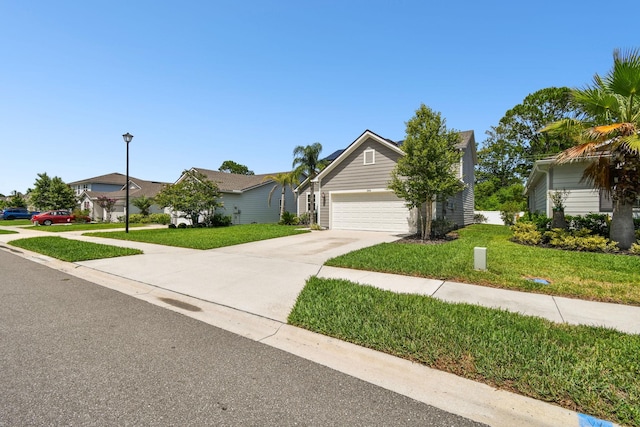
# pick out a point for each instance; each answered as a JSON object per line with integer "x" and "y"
{"x": 480, "y": 258}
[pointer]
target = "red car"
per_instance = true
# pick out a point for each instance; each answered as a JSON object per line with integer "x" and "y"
{"x": 58, "y": 217}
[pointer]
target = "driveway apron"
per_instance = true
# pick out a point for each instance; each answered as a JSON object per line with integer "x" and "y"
{"x": 262, "y": 278}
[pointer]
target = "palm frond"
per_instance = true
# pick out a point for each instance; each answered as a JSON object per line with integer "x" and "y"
{"x": 631, "y": 143}
{"x": 598, "y": 173}
{"x": 577, "y": 152}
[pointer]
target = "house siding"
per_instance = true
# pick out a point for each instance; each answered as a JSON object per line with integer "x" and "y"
{"x": 251, "y": 206}
{"x": 568, "y": 177}
{"x": 353, "y": 175}
{"x": 582, "y": 201}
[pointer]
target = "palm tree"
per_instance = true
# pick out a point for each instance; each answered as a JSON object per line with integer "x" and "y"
{"x": 609, "y": 135}
{"x": 306, "y": 160}
{"x": 284, "y": 180}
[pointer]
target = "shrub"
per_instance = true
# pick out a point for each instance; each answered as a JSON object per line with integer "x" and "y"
{"x": 581, "y": 240}
{"x": 288, "y": 218}
{"x": 508, "y": 212}
{"x": 139, "y": 219}
{"x": 541, "y": 221}
{"x": 217, "y": 220}
{"x": 160, "y": 218}
{"x": 440, "y": 227}
{"x": 79, "y": 214}
{"x": 635, "y": 249}
{"x": 304, "y": 219}
{"x": 479, "y": 218}
{"x": 598, "y": 224}
{"x": 526, "y": 233}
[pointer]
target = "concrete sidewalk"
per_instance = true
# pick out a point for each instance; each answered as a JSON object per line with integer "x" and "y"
{"x": 250, "y": 289}
{"x": 624, "y": 318}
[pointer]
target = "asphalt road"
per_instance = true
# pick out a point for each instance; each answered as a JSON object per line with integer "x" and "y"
{"x": 75, "y": 353}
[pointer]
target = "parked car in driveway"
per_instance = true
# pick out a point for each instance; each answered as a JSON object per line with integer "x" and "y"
{"x": 58, "y": 217}
{"x": 17, "y": 213}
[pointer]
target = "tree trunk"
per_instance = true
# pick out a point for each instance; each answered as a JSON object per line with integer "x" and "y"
{"x": 622, "y": 230}
{"x": 282, "y": 203}
{"x": 428, "y": 214}
{"x": 312, "y": 205}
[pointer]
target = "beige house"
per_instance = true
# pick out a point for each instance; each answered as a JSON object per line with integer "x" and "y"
{"x": 351, "y": 192}
{"x": 113, "y": 186}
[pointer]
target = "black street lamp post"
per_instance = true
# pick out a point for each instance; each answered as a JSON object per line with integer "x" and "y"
{"x": 127, "y": 138}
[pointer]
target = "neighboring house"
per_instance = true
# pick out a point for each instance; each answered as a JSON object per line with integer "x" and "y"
{"x": 548, "y": 177}
{"x": 103, "y": 183}
{"x": 246, "y": 197}
{"x": 351, "y": 192}
{"x": 113, "y": 187}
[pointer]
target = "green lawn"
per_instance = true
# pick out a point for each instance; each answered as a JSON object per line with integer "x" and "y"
{"x": 81, "y": 226}
{"x": 14, "y": 222}
{"x": 593, "y": 276}
{"x": 7, "y": 231}
{"x": 586, "y": 369}
{"x": 205, "y": 238}
{"x": 71, "y": 250}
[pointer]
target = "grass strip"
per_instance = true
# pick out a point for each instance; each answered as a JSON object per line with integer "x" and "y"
{"x": 586, "y": 275}
{"x": 7, "y": 231}
{"x": 585, "y": 369}
{"x": 71, "y": 250}
{"x": 14, "y": 222}
{"x": 205, "y": 238}
{"x": 81, "y": 226}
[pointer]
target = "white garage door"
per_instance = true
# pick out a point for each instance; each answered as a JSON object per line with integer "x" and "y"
{"x": 369, "y": 211}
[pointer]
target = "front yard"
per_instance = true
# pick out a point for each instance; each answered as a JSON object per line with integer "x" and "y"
{"x": 205, "y": 238}
{"x": 590, "y": 370}
{"x": 585, "y": 275}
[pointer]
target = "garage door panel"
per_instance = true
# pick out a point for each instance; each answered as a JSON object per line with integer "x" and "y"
{"x": 370, "y": 211}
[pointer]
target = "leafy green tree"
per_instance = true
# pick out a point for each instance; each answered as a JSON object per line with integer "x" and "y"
{"x": 511, "y": 148}
{"x": 16, "y": 201}
{"x": 61, "y": 195}
{"x": 426, "y": 172}
{"x": 306, "y": 161}
{"x": 143, "y": 203}
{"x": 193, "y": 195}
{"x": 52, "y": 193}
{"x": 282, "y": 180}
{"x": 608, "y": 133}
{"x": 233, "y": 167}
{"x": 41, "y": 192}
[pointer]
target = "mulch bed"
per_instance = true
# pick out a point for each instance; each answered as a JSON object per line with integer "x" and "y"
{"x": 415, "y": 239}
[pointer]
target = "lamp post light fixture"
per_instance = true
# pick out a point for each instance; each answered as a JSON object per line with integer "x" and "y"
{"x": 127, "y": 139}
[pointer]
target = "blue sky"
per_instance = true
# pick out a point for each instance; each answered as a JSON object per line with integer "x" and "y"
{"x": 201, "y": 82}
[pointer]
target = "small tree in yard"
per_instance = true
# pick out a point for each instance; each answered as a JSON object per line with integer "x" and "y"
{"x": 282, "y": 180}
{"x": 143, "y": 203}
{"x": 426, "y": 172}
{"x": 193, "y": 195}
{"x": 108, "y": 205}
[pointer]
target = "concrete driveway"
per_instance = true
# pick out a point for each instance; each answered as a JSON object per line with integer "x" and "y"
{"x": 262, "y": 278}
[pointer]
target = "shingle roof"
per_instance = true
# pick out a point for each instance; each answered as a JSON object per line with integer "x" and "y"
{"x": 232, "y": 182}
{"x": 142, "y": 188}
{"x": 111, "y": 178}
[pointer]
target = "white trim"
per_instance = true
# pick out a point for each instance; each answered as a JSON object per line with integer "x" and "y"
{"x": 372, "y": 153}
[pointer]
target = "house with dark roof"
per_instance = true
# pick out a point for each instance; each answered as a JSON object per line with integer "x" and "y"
{"x": 351, "y": 193}
{"x": 113, "y": 186}
{"x": 246, "y": 197}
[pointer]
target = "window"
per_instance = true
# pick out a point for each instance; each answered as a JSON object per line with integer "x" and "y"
{"x": 309, "y": 202}
{"x": 369, "y": 157}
